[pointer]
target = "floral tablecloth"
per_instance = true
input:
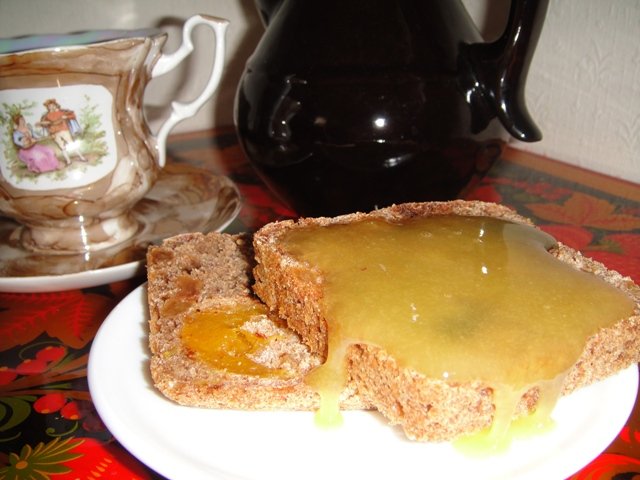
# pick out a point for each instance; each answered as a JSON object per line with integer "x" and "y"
{"x": 49, "y": 428}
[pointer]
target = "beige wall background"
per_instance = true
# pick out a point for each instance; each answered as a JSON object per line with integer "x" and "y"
{"x": 583, "y": 87}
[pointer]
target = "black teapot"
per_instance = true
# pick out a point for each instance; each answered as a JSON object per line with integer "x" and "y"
{"x": 351, "y": 105}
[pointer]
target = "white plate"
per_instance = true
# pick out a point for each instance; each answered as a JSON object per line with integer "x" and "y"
{"x": 184, "y": 199}
{"x": 181, "y": 442}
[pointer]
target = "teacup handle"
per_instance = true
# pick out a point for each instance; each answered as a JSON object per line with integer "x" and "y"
{"x": 167, "y": 62}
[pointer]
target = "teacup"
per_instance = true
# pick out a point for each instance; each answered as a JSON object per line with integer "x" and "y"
{"x": 76, "y": 153}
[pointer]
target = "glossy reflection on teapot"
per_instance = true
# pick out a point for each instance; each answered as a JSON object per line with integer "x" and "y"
{"x": 348, "y": 106}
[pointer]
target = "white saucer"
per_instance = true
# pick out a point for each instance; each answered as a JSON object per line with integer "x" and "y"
{"x": 184, "y": 199}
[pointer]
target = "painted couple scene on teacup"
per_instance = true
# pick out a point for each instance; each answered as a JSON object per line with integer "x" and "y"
{"x": 54, "y": 136}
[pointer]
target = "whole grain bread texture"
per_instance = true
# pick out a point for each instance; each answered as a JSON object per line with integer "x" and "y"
{"x": 198, "y": 272}
{"x": 427, "y": 409}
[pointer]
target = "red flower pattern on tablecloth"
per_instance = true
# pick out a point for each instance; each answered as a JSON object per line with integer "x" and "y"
{"x": 582, "y": 214}
{"x": 70, "y": 459}
{"x": 586, "y": 210}
{"x": 43, "y": 383}
{"x": 73, "y": 317}
{"x": 44, "y": 339}
{"x": 610, "y": 466}
{"x": 485, "y": 192}
{"x": 491, "y": 190}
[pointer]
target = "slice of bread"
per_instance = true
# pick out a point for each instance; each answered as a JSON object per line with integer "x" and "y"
{"x": 428, "y": 409}
{"x": 196, "y": 273}
{"x": 193, "y": 273}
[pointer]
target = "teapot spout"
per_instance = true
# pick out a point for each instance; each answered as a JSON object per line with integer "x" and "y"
{"x": 502, "y": 67}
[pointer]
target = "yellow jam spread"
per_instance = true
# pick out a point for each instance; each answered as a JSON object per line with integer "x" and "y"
{"x": 456, "y": 298}
{"x": 217, "y": 338}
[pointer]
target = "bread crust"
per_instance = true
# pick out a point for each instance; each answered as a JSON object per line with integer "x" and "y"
{"x": 427, "y": 409}
{"x": 197, "y": 272}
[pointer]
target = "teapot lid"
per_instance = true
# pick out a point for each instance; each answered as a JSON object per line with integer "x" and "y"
{"x": 49, "y": 41}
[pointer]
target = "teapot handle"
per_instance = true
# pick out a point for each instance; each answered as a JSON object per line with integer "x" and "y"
{"x": 503, "y": 66}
